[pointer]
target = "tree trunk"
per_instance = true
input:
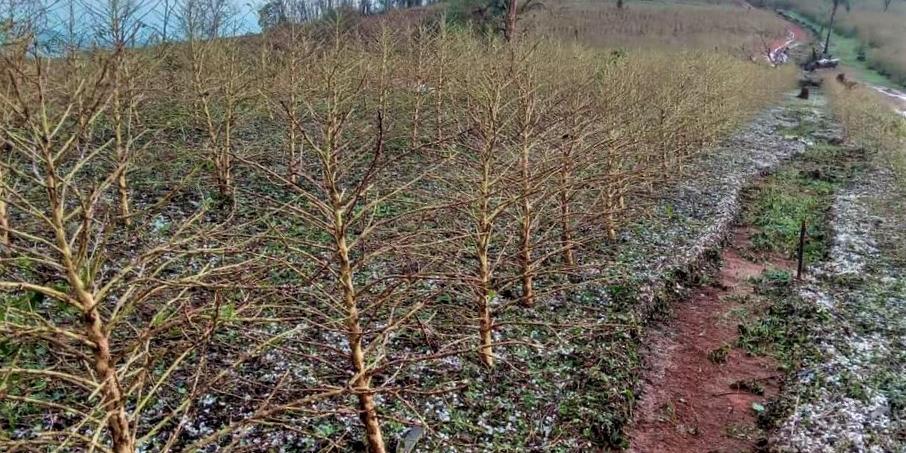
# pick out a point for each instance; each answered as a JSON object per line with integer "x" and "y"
{"x": 509, "y": 32}
{"x": 482, "y": 255}
{"x": 830, "y": 28}
{"x": 294, "y": 164}
{"x": 223, "y": 174}
{"x": 117, "y": 421}
{"x": 4, "y": 219}
{"x": 525, "y": 258}
{"x": 294, "y": 160}
{"x": 362, "y": 381}
{"x": 566, "y": 228}
{"x": 121, "y": 152}
{"x": 4, "y": 222}
{"x": 486, "y": 353}
{"x": 566, "y": 232}
{"x": 610, "y": 207}
{"x": 485, "y": 323}
{"x": 224, "y": 158}
{"x": 482, "y": 293}
{"x": 123, "y": 189}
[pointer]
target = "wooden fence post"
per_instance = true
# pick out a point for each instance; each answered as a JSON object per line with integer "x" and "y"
{"x": 801, "y": 252}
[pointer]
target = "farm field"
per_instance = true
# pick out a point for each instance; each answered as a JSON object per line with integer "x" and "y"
{"x": 406, "y": 227}
{"x": 724, "y": 27}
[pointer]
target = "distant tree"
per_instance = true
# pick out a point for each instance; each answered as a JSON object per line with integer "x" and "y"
{"x": 271, "y": 14}
{"x": 830, "y": 23}
{"x": 165, "y": 18}
{"x": 499, "y": 15}
{"x": 205, "y": 19}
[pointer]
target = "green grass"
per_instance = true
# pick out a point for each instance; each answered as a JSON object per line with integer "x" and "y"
{"x": 801, "y": 192}
{"x": 719, "y": 355}
{"x": 784, "y": 329}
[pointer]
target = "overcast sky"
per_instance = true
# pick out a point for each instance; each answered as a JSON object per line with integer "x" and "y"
{"x": 60, "y": 12}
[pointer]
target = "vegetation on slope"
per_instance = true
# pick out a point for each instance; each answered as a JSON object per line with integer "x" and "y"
{"x": 743, "y": 32}
{"x": 872, "y": 125}
{"x": 314, "y": 237}
{"x": 878, "y": 28}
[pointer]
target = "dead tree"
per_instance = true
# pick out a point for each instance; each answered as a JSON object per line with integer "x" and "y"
{"x": 830, "y": 23}
{"x": 476, "y": 186}
{"x": 510, "y": 21}
{"x": 118, "y": 23}
{"x": 221, "y": 86}
{"x": 573, "y": 159}
{"x": 361, "y": 261}
{"x": 119, "y": 318}
{"x": 289, "y": 51}
{"x": 40, "y": 142}
{"x": 219, "y": 82}
{"x": 532, "y": 131}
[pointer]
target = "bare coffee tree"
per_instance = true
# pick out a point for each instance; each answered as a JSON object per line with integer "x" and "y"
{"x": 112, "y": 323}
{"x": 219, "y": 81}
{"x": 349, "y": 233}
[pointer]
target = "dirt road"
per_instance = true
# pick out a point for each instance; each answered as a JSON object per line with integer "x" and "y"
{"x": 700, "y": 390}
{"x": 896, "y": 97}
{"x": 779, "y": 48}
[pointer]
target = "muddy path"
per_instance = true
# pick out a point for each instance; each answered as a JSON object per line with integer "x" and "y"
{"x": 711, "y": 370}
{"x": 779, "y": 49}
{"x": 896, "y": 97}
{"x": 700, "y": 389}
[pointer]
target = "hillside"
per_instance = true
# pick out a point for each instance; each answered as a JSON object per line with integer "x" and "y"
{"x": 872, "y": 31}
{"x": 428, "y": 228}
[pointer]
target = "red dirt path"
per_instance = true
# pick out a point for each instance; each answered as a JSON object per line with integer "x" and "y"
{"x": 795, "y": 32}
{"x": 687, "y": 404}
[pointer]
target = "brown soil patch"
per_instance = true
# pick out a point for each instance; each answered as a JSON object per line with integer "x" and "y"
{"x": 798, "y": 34}
{"x": 688, "y": 404}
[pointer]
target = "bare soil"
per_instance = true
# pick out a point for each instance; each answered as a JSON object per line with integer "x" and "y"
{"x": 688, "y": 403}
{"x": 795, "y": 36}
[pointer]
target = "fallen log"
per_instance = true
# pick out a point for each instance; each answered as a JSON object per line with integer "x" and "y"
{"x": 821, "y": 63}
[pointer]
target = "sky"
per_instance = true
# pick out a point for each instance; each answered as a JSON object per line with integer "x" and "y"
{"x": 59, "y": 14}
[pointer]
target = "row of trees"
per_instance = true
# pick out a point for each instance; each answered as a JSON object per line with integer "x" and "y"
{"x": 363, "y": 202}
